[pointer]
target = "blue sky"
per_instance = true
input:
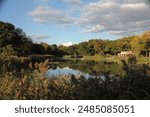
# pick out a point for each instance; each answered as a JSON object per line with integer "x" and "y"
{"x": 74, "y": 21}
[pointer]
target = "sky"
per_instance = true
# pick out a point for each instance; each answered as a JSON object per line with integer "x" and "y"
{"x": 72, "y": 21}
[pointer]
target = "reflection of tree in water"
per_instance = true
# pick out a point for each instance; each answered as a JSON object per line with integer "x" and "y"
{"x": 94, "y": 68}
{"x": 53, "y": 66}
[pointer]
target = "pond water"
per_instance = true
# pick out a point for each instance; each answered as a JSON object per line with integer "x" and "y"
{"x": 66, "y": 70}
{"x": 85, "y": 68}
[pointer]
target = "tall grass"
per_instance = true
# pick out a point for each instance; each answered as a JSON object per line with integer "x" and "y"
{"x": 34, "y": 84}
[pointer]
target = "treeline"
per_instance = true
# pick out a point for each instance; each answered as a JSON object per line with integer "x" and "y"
{"x": 140, "y": 45}
{"x": 13, "y": 41}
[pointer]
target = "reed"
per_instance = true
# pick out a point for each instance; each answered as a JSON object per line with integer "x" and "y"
{"x": 34, "y": 84}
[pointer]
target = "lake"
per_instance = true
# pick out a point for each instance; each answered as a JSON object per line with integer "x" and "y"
{"x": 66, "y": 70}
{"x": 85, "y": 68}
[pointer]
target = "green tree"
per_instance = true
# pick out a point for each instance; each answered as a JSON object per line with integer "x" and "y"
{"x": 9, "y": 35}
{"x": 82, "y": 48}
{"x": 8, "y": 50}
{"x": 72, "y": 49}
{"x": 63, "y": 49}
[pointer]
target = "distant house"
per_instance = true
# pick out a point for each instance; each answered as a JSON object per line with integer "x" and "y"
{"x": 125, "y": 53}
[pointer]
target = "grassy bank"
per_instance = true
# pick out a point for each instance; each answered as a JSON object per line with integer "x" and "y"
{"x": 110, "y": 58}
{"x": 96, "y": 58}
{"x": 144, "y": 60}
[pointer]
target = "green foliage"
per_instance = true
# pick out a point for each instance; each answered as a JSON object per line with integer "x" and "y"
{"x": 21, "y": 44}
{"x": 13, "y": 40}
{"x": 8, "y": 50}
{"x": 102, "y": 47}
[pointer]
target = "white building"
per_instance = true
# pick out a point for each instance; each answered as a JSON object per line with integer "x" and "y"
{"x": 125, "y": 53}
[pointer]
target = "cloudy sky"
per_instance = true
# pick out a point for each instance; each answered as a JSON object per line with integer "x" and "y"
{"x": 73, "y": 21}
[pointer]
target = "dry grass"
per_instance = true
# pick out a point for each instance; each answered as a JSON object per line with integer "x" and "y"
{"x": 34, "y": 84}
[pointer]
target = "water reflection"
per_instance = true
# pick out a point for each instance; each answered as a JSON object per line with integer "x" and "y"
{"x": 66, "y": 70}
{"x": 85, "y": 68}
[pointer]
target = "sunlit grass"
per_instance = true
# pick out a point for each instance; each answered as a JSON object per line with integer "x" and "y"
{"x": 95, "y": 58}
{"x": 144, "y": 60}
{"x": 113, "y": 58}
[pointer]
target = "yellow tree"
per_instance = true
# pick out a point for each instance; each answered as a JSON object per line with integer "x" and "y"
{"x": 146, "y": 40}
{"x": 141, "y": 44}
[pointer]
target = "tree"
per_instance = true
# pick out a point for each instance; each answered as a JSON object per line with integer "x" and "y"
{"x": 146, "y": 38}
{"x": 141, "y": 44}
{"x": 82, "y": 48}
{"x": 99, "y": 46}
{"x": 8, "y": 50}
{"x": 108, "y": 47}
{"x": 38, "y": 49}
{"x": 63, "y": 49}
{"x": 72, "y": 49}
{"x": 9, "y": 35}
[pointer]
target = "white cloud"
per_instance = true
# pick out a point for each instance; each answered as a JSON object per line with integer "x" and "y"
{"x": 39, "y": 37}
{"x": 94, "y": 29}
{"x": 113, "y": 16}
{"x": 73, "y": 1}
{"x": 116, "y": 16}
{"x": 67, "y": 44}
{"x": 44, "y": 14}
{"x": 135, "y": 6}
